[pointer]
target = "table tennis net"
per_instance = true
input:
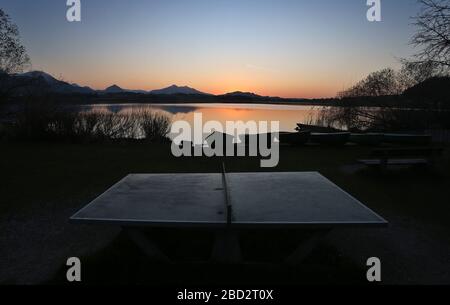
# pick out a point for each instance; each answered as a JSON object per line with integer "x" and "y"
{"x": 228, "y": 204}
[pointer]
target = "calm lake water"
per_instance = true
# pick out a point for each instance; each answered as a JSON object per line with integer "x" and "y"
{"x": 287, "y": 115}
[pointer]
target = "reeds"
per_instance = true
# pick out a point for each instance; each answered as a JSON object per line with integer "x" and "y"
{"x": 48, "y": 123}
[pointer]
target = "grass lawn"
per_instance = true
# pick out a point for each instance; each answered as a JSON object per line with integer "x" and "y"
{"x": 42, "y": 184}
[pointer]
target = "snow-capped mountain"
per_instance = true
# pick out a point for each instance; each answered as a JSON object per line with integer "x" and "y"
{"x": 40, "y": 74}
{"x": 44, "y": 81}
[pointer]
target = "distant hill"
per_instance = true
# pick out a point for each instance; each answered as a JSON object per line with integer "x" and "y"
{"x": 242, "y": 94}
{"x": 83, "y": 88}
{"x": 248, "y": 96}
{"x": 114, "y": 89}
{"x": 41, "y": 81}
{"x": 174, "y": 89}
{"x": 433, "y": 88}
{"x": 40, "y": 74}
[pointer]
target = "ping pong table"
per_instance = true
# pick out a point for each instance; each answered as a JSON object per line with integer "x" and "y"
{"x": 227, "y": 203}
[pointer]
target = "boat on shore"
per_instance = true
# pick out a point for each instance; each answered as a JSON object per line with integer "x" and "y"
{"x": 335, "y": 138}
{"x": 295, "y": 138}
{"x": 315, "y": 128}
{"x": 247, "y": 139}
{"x": 410, "y": 139}
{"x": 367, "y": 139}
{"x": 284, "y": 138}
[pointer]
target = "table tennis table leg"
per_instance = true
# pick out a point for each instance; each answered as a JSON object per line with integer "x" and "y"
{"x": 146, "y": 245}
{"x": 226, "y": 247}
{"x": 306, "y": 247}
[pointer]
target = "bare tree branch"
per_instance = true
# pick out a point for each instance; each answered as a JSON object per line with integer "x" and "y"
{"x": 433, "y": 35}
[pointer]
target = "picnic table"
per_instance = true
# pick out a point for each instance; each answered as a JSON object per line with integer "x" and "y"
{"x": 409, "y": 156}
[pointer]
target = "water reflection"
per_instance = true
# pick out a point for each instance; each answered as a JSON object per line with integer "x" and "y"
{"x": 287, "y": 115}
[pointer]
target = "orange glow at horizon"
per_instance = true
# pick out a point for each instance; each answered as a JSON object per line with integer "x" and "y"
{"x": 288, "y": 49}
{"x": 285, "y": 88}
{"x": 222, "y": 78}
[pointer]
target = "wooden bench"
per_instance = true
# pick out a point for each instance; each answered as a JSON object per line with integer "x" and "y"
{"x": 405, "y": 156}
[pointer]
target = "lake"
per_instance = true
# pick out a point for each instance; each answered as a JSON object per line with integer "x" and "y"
{"x": 287, "y": 115}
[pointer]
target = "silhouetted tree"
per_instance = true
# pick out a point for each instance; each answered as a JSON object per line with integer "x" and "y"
{"x": 380, "y": 83}
{"x": 433, "y": 34}
{"x": 413, "y": 73}
{"x": 13, "y": 56}
{"x": 373, "y": 103}
{"x": 384, "y": 86}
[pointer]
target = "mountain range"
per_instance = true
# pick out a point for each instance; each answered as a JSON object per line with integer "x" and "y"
{"x": 174, "y": 89}
{"x": 42, "y": 81}
{"x": 46, "y": 81}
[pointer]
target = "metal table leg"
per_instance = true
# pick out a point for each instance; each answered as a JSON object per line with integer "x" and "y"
{"x": 226, "y": 247}
{"x": 146, "y": 245}
{"x": 306, "y": 247}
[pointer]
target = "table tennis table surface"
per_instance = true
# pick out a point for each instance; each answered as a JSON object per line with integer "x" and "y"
{"x": 201, "y": 200}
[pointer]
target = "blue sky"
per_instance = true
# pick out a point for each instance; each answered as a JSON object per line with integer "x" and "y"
{"x": 280, "y": 47}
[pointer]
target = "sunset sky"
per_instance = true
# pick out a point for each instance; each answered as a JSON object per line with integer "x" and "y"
{"x": 288, "y": 48}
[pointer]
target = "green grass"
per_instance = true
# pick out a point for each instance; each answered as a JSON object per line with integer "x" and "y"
{"x": 38, "y": 176}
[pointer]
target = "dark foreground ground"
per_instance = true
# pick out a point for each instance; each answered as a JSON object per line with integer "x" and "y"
{"x": 42, "y": 185}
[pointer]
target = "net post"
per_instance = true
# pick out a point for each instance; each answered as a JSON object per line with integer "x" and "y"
{"x": 229, "y": 207}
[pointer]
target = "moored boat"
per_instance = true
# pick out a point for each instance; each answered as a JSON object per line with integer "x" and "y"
{"x": 336, "y": 138}
{"x": 368, "y": 139}
{"x": 409, "y": 139}
{"x": 294, "y": 138}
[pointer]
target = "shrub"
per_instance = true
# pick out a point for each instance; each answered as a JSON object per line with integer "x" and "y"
{"x": 155, "y": 126}
{"x": 40, "y": 121}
